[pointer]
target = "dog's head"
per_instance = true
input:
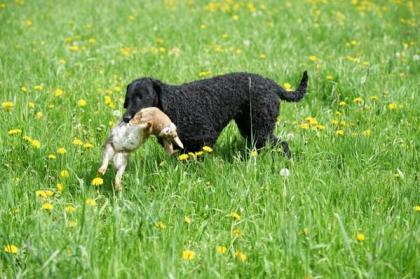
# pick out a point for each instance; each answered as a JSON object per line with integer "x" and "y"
{"x": 168, "y": 137}
{"x": 141, "y": 93}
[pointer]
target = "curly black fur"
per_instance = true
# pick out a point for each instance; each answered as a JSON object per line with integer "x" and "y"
{"x": 201, "y": 109}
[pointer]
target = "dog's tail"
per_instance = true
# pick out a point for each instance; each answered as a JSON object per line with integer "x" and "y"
{"x": 295, "y": 96}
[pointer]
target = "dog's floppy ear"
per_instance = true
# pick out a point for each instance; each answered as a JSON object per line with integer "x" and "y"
{"x": 157, "y": 87}
{"x": 126, "y": 99}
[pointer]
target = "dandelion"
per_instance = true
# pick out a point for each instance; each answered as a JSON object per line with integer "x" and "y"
{"x": 183, "y": 157}
{"x": 81, "y": 103}
{"x": 204, "y": 74}
{"x": 187, "y": 220}
{"x": 312, "y": 58}
{"x": 198, "y": 153}
{"x": 207, "y": 149}
{"x": 90, "y": 202}
{"x": 221, "y": 250}
{"x": 235, "y": 17}
{"x": 38, "y": 87}
{"x": 374, "y": 98}
{"x": 340, "y": 133}
{"x": 36, "y": 143}
{"x": 39, "y": 115}
{"x": 287, "y": 86}
{"x": 237, "y": 232}
{"x": 51, "y": 156}
{"x": 311, "y": 120}
{"x": 61, "y": 151}
{"x": 59, "y": 187}
{"x": 417, "y": 208}
{"x": 342, "y": 104}
{"x": 320, "y": 127}
{"x": 367, "y": 133}
{"x": 64, "y": 173}
{"x": 392, "y": 106}
{"x": 72, "y": 223}
{"x": 87, "y": 145}
{"x": 263, "y": 56}
{"x": 235, "y": 216}
{"x": 97, "y": 181}
{"x": 47, "y": 206}
{"x": 188, "y": 255}
{"x": 31, "y": 105}
{"x": 23, "y": 88}
{"x": 360, "y": 237}
{"x": 240, "y": 256}
{"x": 58, "y": 92}
{"x": 160, "y": 225}
{"x": 284, "y": 172}
{"x": 14, "y": 132}
{"x": 41, "y": 194}
{"x": 304, "y": 126}
{"x": 330, "y": 77}
{"x": 11, "y": 249}
{"x": 77, "y": 142}
{"x": 74, "y": 48}
{"x": 70, "y": 209}
{"x": 8, "y": 105}
{"x": 358, "y": 100}
{"x": 254, "y": 154}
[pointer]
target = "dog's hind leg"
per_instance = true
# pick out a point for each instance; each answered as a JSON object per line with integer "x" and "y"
{"x": 108, "y": 155}
{"x": 120, "y": 162}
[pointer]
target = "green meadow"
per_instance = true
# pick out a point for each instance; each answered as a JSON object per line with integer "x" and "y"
{"x": 346, "y": 206}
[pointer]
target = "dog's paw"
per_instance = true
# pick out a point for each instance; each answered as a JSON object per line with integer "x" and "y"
{"x": 102, "y": 170}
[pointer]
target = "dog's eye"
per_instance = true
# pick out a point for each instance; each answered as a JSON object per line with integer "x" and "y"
{"x": 139, "y": 97}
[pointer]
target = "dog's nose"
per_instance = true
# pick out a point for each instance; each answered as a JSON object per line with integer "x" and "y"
{"x": 127, "y": 118}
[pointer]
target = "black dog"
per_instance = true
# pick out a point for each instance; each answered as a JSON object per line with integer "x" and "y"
{"x": 201, "y": 109}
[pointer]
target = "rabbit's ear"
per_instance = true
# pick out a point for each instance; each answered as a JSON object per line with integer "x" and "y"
{"x": 165, "y": 132}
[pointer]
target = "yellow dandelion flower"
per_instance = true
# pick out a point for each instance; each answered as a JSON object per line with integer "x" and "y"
{"x": 47, "y": 206}
{"x": 207, "y": 149}
{"x": 39, "y": 115}
{"x": 81, "y": 103}
{"x": 311, "y": 120}
{"x": 59, "y": 187}
{"x": 11, "y": 249}
{"x": 87, "y": 145}
{"x": 374, "y": 98}
{"x": 358, "y": 100}
{"x": 91, "y": 202}
{"x": 235, "y": 17}
{"x": 97, "y": 181}
{"x": 287, "y": 86}
{"x": 8, "y": 105}
{"x": 14, "y": 132}
{"x": 41, "y": 194}
{"x": 235, "y": 216}
{"x": 304, "y": 126}
{"x": 70, "y": 209}
{"x": 313, "y": 58}
{"x": 204, "y": 74}
{"x": 342, "y": 104}
{"x": 198, "y": 153}
{"x": 31, "y": 105}
{"x": 187, "y": 220}
{"x": 58, "y": 92}
{"x": 61, "y": 150}
{"x": 183, "y": 157}
{"x": 237, "y": 232}
{"x": 77, "y": 142}
{"x": 36, "y": 143}
{"x": 240, "y": 256}
{"x": 340, "y": 133}
{"x": 160, "y": 225}
{"x": 64, "y": 173}
{"x": 72, "y": 223}
{"x": 367, "y": 133}
{"x": 51, "y": 156}
{"x": 221, "y": 249}
{"x": 188, "y": 255}
{"x": 417, "y": 208}
{"x": 320, "y": 127}
{"x": 330, "y": 77}
{"x": 74, "y": 48}
{"x": 23, "y": 88}
{"x": 38, "y": 87}
{"x": 360, "y": 237}
{"x": 263, "y": 56}
{"x": 49, "y": 193}
{"x": 392, "y": 106}
{"x": 254, "y": 154}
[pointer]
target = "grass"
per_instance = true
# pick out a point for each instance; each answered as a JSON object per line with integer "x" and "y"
{"x": 355, "y": 168}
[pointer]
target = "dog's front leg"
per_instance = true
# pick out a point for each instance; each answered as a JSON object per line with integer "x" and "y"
{"x": 108, "y": 155}
{"x": 120, "y": 162}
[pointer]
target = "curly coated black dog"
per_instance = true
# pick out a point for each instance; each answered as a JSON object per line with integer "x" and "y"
{"x": 201, "y": 109}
